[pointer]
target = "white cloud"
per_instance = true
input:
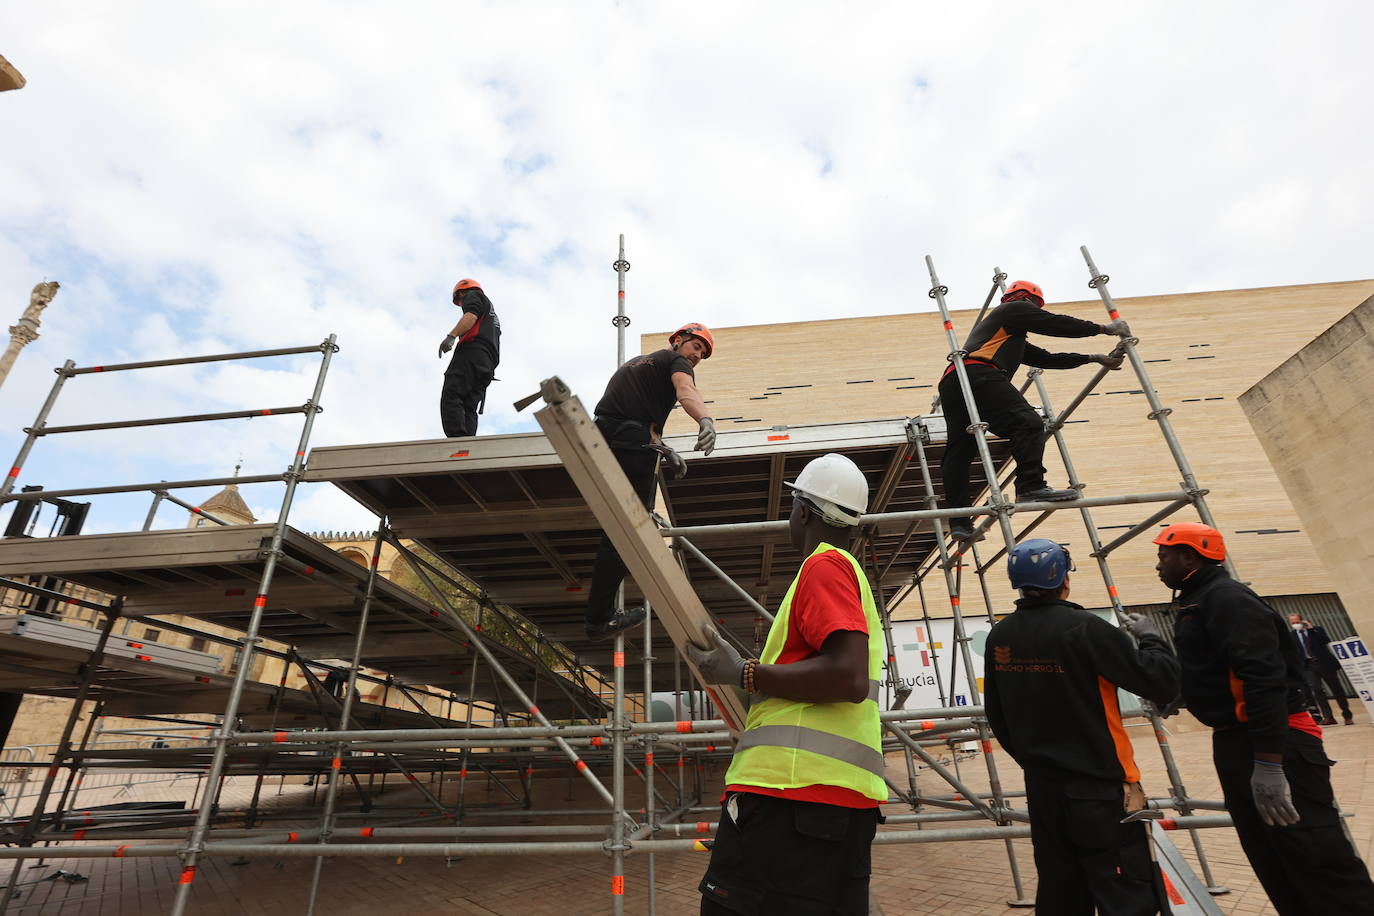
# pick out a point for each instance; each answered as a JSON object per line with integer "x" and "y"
{"x": 205, "y": 179}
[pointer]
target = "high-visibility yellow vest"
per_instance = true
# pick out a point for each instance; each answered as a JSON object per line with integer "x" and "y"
{"x": 787, "y": 744}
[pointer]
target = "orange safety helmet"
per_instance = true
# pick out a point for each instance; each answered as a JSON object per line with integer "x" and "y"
{"x": 697, "y": 330}
{"x": 465, "y": 283}
{"x": 1025, "y": 286}
{"x": 1205, "y": 539}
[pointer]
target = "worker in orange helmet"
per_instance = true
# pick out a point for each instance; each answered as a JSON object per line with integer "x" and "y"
{"x": 631, "y": 414}
{"x": 476, "y": 344}
{"x": 994, "y": 350}
{"x": 1242, "y": 674}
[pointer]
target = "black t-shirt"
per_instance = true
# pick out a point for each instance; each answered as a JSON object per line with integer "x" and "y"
{"x": 486, "y": 332}
{"x": 642, "y": 389}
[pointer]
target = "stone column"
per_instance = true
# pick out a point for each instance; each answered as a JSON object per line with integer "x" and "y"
{"x": 26, "y": 331}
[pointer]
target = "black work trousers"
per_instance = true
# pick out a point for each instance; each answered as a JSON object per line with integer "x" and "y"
{"x": 1084, "y": 856}
{"x": 1321, "y": 704}
{"x": 781, "y": 857}
{"x": 1307, "y": 868}
{"x": 628, "y": 441}
{"x": 469, "y": 373}
{"x": 1007, "y": 414}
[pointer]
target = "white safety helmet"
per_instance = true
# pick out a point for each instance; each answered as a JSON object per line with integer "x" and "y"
{"x": 836, "y": 487}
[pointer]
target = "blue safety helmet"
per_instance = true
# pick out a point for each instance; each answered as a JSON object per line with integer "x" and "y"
{"x": 1038, "y": 563}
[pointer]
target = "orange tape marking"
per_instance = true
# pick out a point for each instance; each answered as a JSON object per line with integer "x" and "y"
{"x": 292, "y": 837}
{"x": 119, "y": 853}
{"x": 703, "y": 826}
{"x": 188, "y": 874}
{"x": 279, "y": 738}
{"x": 366, "y": 831}
{"x": 620, "y": 660}
{"x": 617, "y": 884}
{"x": 462, "y": 454}
{"x": 581, "y": 765}
{"x": 684, "y": 727}
{"x": 79, "y": 834}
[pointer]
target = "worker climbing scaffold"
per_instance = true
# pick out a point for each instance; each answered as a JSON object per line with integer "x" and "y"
{"x": 995, "y": 349}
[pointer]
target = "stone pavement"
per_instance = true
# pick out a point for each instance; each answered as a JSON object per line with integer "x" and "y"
{"x": 929, "y": 878}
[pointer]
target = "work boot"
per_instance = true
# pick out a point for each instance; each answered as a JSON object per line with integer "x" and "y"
{"x": 1046, "y": 495}
{"x": 962, "y": 530}
{"x": 1327, "y": 720}
{"x": 623, "y": 620}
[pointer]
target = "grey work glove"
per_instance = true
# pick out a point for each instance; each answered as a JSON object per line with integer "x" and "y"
{"x": 1106, "y": 359}
{"x": 719, "y": 663}
{"x": 1119, "y": 327}
{"x": 1274, "y": 802}
{"x": 675, "y": 466}
{"x": 1163, "y": 710}
{"x": 706, "y": 435}
{"x": 1140, "y": 626}
{"x": 447, "y": 344}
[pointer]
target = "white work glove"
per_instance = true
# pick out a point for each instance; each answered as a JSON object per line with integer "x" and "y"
{"x": 1140, "y": 626}
{"x": 1274, "y": 802}
{"x": 706, "y": 435}
{"x": 719, "y": 663}
{"x": 1119, "y": 327}
{"x": 1106, "y": 359}
{"x": 675, "y": 467}
{"x": 447, "y": 344}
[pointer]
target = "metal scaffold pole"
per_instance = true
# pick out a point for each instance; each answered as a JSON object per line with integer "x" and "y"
{"x": 331, "y": 791}
{"x": 190, "y": 856}
{"x": 1158, "y": 412}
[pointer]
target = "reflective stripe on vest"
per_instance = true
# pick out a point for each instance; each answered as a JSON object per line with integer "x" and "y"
{"x": 790, "y": 744}
{"x": 817, "y": 742}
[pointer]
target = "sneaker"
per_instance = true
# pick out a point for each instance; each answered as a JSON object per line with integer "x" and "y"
{"x": 623, "y": 620}
{"x": 1046, "y": 495}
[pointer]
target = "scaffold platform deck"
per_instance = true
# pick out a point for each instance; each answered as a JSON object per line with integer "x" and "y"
{"x": 504, "y": 512}
{"x": 211, "y": 573}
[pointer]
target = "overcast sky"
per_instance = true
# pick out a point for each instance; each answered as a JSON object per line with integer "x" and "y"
{"x": 212, "y": 177}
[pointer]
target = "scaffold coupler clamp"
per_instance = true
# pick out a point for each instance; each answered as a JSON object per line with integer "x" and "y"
{"x": 610, "y": 847}
{"x": 1156, "y": 414}
{"x": 328, "y": 346}
{"x": 1099, "y": 280}
{"x": 937, "y": 291}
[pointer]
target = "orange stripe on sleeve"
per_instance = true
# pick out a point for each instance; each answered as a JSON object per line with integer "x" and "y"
{"x": 1125, "y": 753}
{"x": 1237, "y": 694}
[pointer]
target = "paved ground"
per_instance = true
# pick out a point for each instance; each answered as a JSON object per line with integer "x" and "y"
{"x": 948, "y": 878}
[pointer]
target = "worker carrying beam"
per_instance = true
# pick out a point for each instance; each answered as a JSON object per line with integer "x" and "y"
{"x": 995, "y": 349}
{"x": 631, "y": 415}
{"x": 802, "y": 793}
{"x": 1050, "y": 690}
{"x": 1243, "y": 676}
{"x": 476, "y": 344}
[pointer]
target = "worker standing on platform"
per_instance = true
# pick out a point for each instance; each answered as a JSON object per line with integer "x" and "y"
{"x": 995, "y": 349}
{"x": 1050, "y": 690}
{"x": 477, "y": 336}
{"x": 801, "y": 798}
{"x": 631, "y": 415}
{"x": 1242, "y": 675}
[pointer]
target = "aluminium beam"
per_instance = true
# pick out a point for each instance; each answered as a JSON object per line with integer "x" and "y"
{"x": 632, "y": 530}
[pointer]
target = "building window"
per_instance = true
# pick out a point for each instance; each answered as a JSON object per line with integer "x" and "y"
{"x": 151, "y": 635}
{"x": 197, "y": 644}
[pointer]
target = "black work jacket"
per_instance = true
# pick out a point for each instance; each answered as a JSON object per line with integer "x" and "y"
{"x": 1000, "y": 338}
{"x": 1241, "y": 662}
{"x": 1051, "y": 671}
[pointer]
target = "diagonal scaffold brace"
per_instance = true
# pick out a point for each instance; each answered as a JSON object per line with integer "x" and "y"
{"x": 588, "y": 460}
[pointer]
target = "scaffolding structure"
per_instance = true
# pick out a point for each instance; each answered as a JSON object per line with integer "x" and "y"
{"x": 474, "y": 518}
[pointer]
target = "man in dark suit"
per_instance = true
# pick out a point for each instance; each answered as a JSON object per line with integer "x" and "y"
{"x": 1320, "y": 666}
